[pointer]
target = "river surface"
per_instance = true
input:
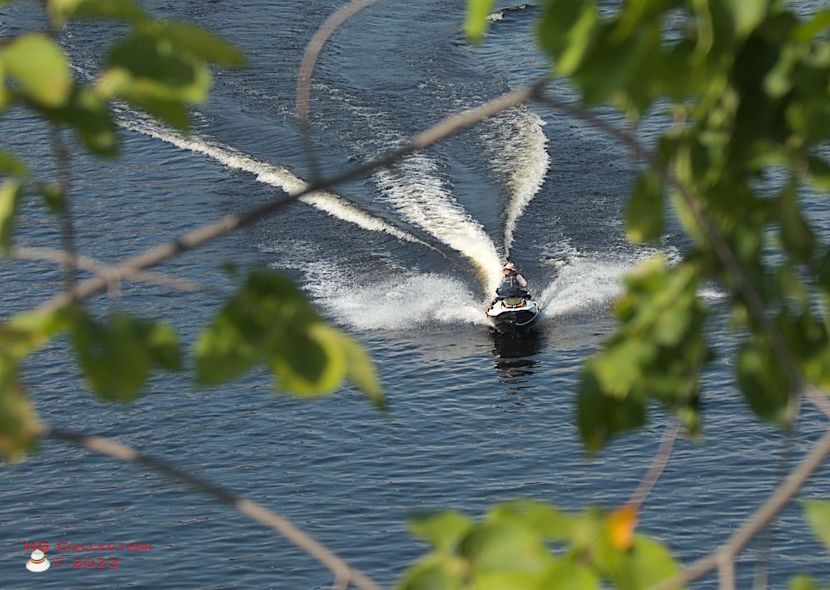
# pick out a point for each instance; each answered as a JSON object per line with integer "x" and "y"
{"x": 405, "y": 266}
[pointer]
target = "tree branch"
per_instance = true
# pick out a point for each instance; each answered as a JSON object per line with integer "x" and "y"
{"x": 757, "y": 521}
{"x": 202, "y": 235}
{"x": 344, "y": 574}
{"x": 661, "y": 459}
{"x": 64, "y": 165}
{"x": 310, "y": 56}
{"x": 90, "y": 264}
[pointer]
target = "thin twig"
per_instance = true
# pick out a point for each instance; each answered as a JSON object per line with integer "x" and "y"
{"x": 726, "y": 574}
{"x": 92, "y": 265}
{"x": 64, "y": 165}
{"x": 757, "y": 521}
{"x": 658, "y": 465}
{"x": 111, "y": 448}
{"x": 204, "y": 234}
{"x": 310, "y": 56}
{"x": 63, "y": 162}
{"x": 819, "y": 399}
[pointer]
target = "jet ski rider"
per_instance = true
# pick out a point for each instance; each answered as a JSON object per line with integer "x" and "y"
{"x": 511, "y": 278}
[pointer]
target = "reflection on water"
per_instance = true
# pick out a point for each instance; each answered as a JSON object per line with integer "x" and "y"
{"x": 516, "y": 356}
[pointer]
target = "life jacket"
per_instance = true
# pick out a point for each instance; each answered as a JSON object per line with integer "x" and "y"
{"x": 510, "y": 287}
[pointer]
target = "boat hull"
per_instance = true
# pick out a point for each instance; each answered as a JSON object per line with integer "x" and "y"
{"x": 514, "y": 320}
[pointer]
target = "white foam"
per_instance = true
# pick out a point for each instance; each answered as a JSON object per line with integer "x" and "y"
{"x": 401, "y": 300}
{"x": 590, "y": 282}
{"x": 582, "y": 284}
{"x": 278, "y": 177}
{"x": 406, "y": 301}
{"x": 711, "y": 292}
{"x": 415, "y": 190}
{"x": 519, "y": 147}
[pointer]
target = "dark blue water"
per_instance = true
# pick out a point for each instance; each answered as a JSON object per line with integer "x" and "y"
{"x": 474, "y": 420}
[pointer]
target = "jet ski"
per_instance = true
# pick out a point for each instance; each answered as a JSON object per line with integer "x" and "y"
{"x": 513, "y": 309}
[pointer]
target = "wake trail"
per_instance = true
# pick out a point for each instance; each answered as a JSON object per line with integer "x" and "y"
{"x": 374, "y": 301}
{"x": 414, "y": 188}
{"x": 278, "y": 177}
{"x": 587, "y": 282}
{"x": 518, "y": 145}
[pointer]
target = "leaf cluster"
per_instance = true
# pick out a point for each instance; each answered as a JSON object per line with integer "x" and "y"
{"x": 526, "y": 545}
{"x": 745, "y": 85}
{"x": 160, "y": 67}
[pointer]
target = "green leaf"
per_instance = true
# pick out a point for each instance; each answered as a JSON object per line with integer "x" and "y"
{"x": 507, "y": 580}
{"x": 29, "y": 331}
{"x": 435, "y": 573}
{"x": 152, "y": 73}
{"x": 18, "y": 422}
{"x": 809, "y": 29}
{"x": 645, "y": 209}
{"x": 11, "y": 166}
{"x": 567, "y": 31}
{"x": 361, "y": 371}
{"x": 746, "y": 14}
{"x": 11, "y": 194}
{"x": 118, "y": 355}
{"x": 5, "y": 98}
{"x": 89, "y": 116}
{"x": 443, "y": 530}
{"x": 646, "y": 564}
{"x": 823, "y": 273}
{"x": 308, "y": 361}
{"x": 500, "y": 547}
{"x": 62, "y": 11}
{"x": 198, "y": 42}
{"x": 476, "y": 21}
{"x": 271, "y": 322}
{"x": 601, "y": 416}
{"x": 567, "y": 575}
{"x": 543, "y": 518}
{"x": 613, "y": 69}
{"x": 40, "y": 68}
{"x": 764, "y": 382}
{"x": 620, "y": 367}
{"x": 162, "y": 344}
{"x": 819, "y": 173}
{"x": 53, "y": 196}
{"x": 224, "y": 351}
{"x": 156, "y": 67}
{"x": 803, "y": 582}
{"x": 818, "y": 515}
{"x": 796, "y": 233}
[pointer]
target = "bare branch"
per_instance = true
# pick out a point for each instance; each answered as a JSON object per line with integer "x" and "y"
{"x": 343, "y": 573}
{"x": 757, "y": 521}
{"x": 310, "y": 56}
{"x": 661, "y": 459}
{"x": 819, "y": 399}
{"x": 726, "y": 574}
{"x": 202, "y": 235}
{"x": 92, "y": 265}
{"x": 64, "y": 165}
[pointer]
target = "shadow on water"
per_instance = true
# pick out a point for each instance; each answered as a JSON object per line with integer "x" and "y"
{"x": 516, "y": 356}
